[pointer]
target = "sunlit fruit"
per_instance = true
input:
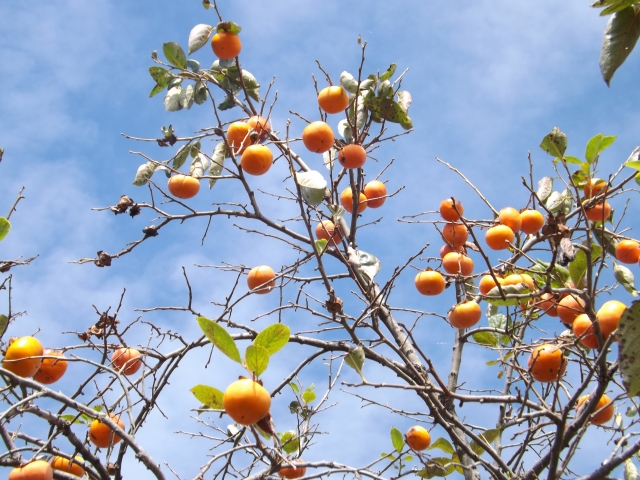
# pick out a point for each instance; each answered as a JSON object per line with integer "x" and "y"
{"x": 487, "y": 283}
{"x": 465, "y": 315}
{"x": 628, "y": 251}
{"x": 448, "y": 212}
{"x": 594, "y": 186}
{"x": 238, "y": 136}
{"x": 457, "y": 263}
{"x": 569, "y": 308}
{"x": 256, "y": 159}
{"x": 346, "y": 200}
{"x": 51, "y": 369}
{"x": 446, "y": 248}
{"x": 604, "y": 409}
{"x": 36, "y": 470}
{"x": 352, "y": 156}
{"x": 582, "y": 328}
{"x": 430, "y": 282}
{"x": 65, "y": 465}
{"x": 127, "y": 360}
{"x": 531, "y": 221}
{"x": 455, "y": 234}
{"x": 318, "y": 137}
{"x": 327, "y": 230}
{"x": 260, "y": 125}
{"x": 499, "y": 237}
{"x": 418, "y": 438}
{"x": 246, "y": 401}
{"x": 101, "y": 435}
{"x": 518, "y": 278}
{"x": 333, "y": 99}
{"x": 548, "y": 303}
{"x": 19, "y": 358}
{"x": 261, "y": 279}
{"x": 293, "y": 472}
{"x": 609, "y": 315}
{"x": 510, "y": 217}
{"x": 599, "y": 212}
{"x": 376, "y": 192}
{"x": 547, "y": 363}
{"x": 183, "y": 186}
{"x": 226, "y": 45}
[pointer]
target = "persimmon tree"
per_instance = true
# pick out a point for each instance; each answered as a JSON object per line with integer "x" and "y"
{"x": 510, "y": 279}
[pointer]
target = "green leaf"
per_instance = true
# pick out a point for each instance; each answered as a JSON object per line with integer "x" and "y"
{"x": 289, "y": 441}
{"x": 625, "y": 277}
{"x": 545, "y": 186}
{"x": 437, "y": 467}
{"x": 355, "y": 359}
{"x": 408, "y": 458}
{"x": 385, "y": 89}
{"x": 198, "y": 37}
{"x": 309, "y": 395}
{"x": 230, "y": 27}
{"x": 162, "y": 76}
{"x": 634, "y": 159}
{"x": 629, "y": 348}
{"x": 615, "y": 6}
{"x": 630, "y": 471}
{"x": 578, "y": 269}
{"x": 4, "y": 321}
{"x": 596, "y": 145}
{"x": 397, "y": 439}
{"x": 256, "y": 359}
{"x": 493, "y": 296}
{"x": 156, "y": 90}
{"x": 193, "y": 65}
{"x": 217, "y": 162}
{"x": 555, "y": 143}
{"x": 485, "y": 338}
{"x": 294, "y": 387}
{"x": 174, "y": 54}
{"x": 488, "y": 436}
{"x": 144, "y": 173}
{"x": 573, "y": 160}
{"x": 442, "y": 444}
{"x": 181, "y": 156}
{"x": 387, "y": 109}
{"x": 389, "y": 73}
{"x": 199, "y": 165}
{"x": 5, "y": 226}
{"x": 620, "y": 36}
{"x": 73, "y": 419}
{"x": 220, "y": 338}
{"x": 606, "y": 239}
{"x": 273, "y": 338}
{"x": 321, "y": 245}
{"x": 209, "y": 396}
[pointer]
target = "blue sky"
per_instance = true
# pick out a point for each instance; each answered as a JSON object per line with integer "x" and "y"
{"x": 488, "y": 80}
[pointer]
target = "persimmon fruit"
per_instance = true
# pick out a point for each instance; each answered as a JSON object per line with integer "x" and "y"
{"x": 183, "y": 186}
{"x": 346, "y": 200}
{"x": 499, "y": 237}
{"x": 51, "y": 369}
{"x": 376, "y": 192}
{"x": 261, "y": 278}
{"x": 510, "y": 217}
{"x": 292, "y": 472}
{"x": 582, "y": 328}
{"x": 65, "y": 465}
{"x": 352, "y": 156}
{"x": 333, "y": 99}
{"x": 548, "y": 303}
{"x": 239, "y": 136}
{"x": 604, "y": 409}
{"x": 594, "y": 186}
{"x": 256, "y": 159}
{"x": 418, "y": 438}
{"x": 569, "y": 307}
{"x": 448, "y": 213}
{"x": 226, "y": 45}
{"x": 20, "y": 357}
{"x": 430, "y": 282}
{"x": 455, "y": 234}
{"x": 260, "y": 125}
{"x": 327, "y": 230}
{"x": 599, "y": 212}
{"x": 246, "y": 401}
{"x": 628, "y": 251}
{"x": 36, "y": 470}
{"x": 318, "y": 137}
{"x": 446, "y": 248}
{"x": 457, "y": 263}
{"x": 127, "y": 360}
{"x": 101, "y": 435}
{"x": 465, "y": 315}
{"x": 547, "y": 363}
{"x": 531, "y": 221}
{"x": 487, "y": 283}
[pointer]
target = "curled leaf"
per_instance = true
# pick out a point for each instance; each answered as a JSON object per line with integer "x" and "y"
{"x": 198, "y": 37}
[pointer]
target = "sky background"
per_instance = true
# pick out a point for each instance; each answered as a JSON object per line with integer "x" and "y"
{"x": 488, "y": 80}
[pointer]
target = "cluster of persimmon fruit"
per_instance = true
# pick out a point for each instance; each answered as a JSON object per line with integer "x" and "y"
{"x": 27, "y": 358}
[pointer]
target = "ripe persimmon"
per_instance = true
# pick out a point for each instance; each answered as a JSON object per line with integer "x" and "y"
{"x": 628, "y": 251}
{"x": 594, "y": 186}
{"x": 239, "y": 136}
{"x": 465, "y": 315}
{"x": 256, "y": 159}
{"x": 531, "y": 221}
{"x": 19, "y": 358}
{"x": 446, "y": 248}
{"x": 65, "y": 465}
{"x": 328, "y": 231}
{"x": 599, "y": 212}
{"x": 499, "y": 237}
{"x": 183, "y": 186}
{"x": 318, "y": 137}
{"x": 448, "y": 213}
{"x": 293, "y": 472}
{"x": 51, "y": 369}
{"x": 352, "y": 156}
{"x": 418, "y": 438}
{"x": 430, "y": 282}
{"x": 246, "y": 401}
{"x": 510, "y": 217}
{"x": 346, "y": 200}
{"x": 376, "y": 192}
{"x": 547, "y": 363}
{"x": 608, "y": 317}
{"x": 226, "y": 45}
{"x": 487, "y": 283}
{"x": 582, "y": 328}
{"x": 36, "y": 470}
{"x": 517, "y": 278}
{"x": 262, "y": 277}
{"x": 455, "y": 234}
{"x": 604, "y": 409}
{"x": 101, "y": 435}
{"x": 127, "y": 360}
{"x": 260, "y": 125}
{"x": 333, "y": 99}
{"x": 548, "y": 303}
{"x": 569, "y": 308}
{"x": 457, "y": 263}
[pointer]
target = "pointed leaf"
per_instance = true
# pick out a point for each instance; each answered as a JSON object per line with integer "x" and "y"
{"x": 386, "y": 108}
{"x": 489, "y": 436}
{"x": 289, "y": 441}
{"x": 217, "y": 162}
{"x": 220, "y": 338}
{"x": 555, "y": 143}
{"x": 4, "y": 321}
{"x": 257, "y": 359}
{"x": 156, "y": 90}
{"x": 444, "y": 445}
{"x": 198, "y": 37}
{"x": 625, "y": 277}
{"x": 273, "y": 338}
{"x": 545, "y": 186}
{"x": 294, "y": 387}
{"x": 620, "y": 36}
{"x": 309, "y": 395}
{"x": 389, "y": 73}
{"x": 181, "y": 156}
{"x": 630, "y": 471}
{"x": 397, "y": 439}
{"x": 5, "y": 226}
{"x": 321, "y": 245}
{"x": 209, "y": 396}
{"x": 485, "y": 338}
{"x": 355, "y": 359}
{"x": 174, "y": 54}
{"x": 616, "y": 6}
{"x": 437, "y": 467}
{"x": 629, "y": 348}
{"x": 578, "y": 269}
{"x": 199, "y": 165}
{"x": 596, "y": 145}
{"x": 144, "y": 173}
